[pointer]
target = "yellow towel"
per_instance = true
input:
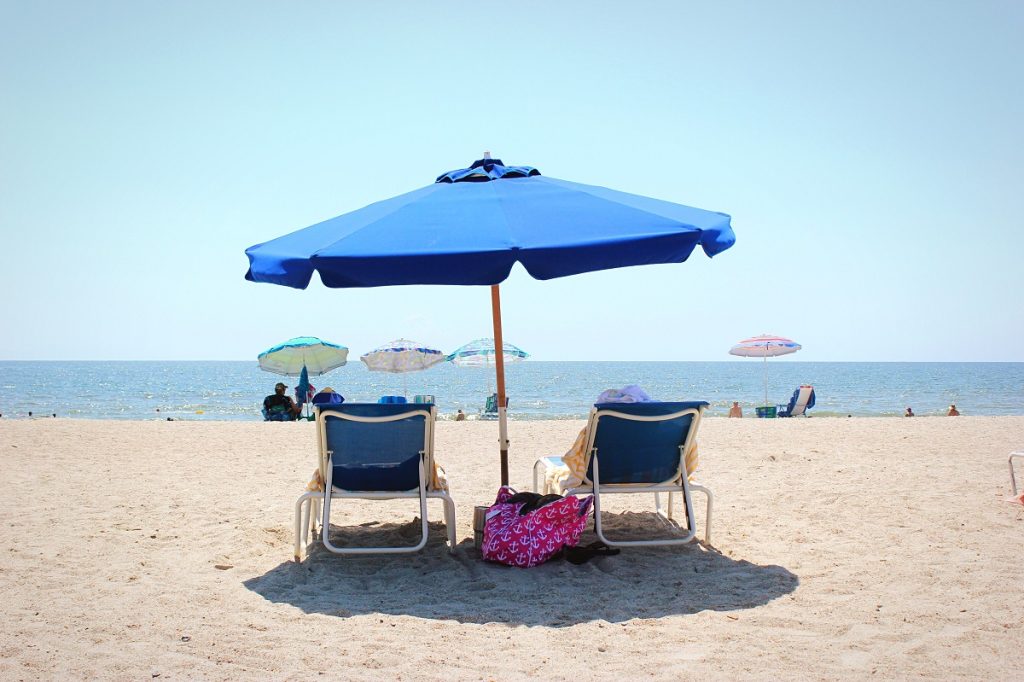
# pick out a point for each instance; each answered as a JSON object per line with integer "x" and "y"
{"x": 574, "y": 465}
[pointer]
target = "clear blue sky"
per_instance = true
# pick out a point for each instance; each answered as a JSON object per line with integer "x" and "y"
{"x": 869, "y": 153}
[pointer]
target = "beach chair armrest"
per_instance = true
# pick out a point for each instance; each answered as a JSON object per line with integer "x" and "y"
{"x": 548, "y": 463}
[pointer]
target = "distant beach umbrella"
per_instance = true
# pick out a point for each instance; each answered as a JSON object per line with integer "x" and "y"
{"x": 473, "y": 224}
{"x": 401, "y": 357}
{"x": 765, "y": 346}
{"x": 481, "y": 353}
{"x": 316, "y": 356}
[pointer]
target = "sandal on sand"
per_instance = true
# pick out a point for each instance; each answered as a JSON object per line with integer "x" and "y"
{"x": 581, "y": 555}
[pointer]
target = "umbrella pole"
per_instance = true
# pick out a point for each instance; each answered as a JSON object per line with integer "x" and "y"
{"x": 766, "y": 378}
{"x": 499, "y": 370}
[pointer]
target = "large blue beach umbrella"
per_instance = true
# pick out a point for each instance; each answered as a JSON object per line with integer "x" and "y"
{"x": 472, "y": 225}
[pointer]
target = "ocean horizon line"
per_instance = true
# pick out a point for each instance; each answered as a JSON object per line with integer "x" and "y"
{"x": 533, "y": 361}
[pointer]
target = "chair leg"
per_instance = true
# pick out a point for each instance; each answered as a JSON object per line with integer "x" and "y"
{"x": 707, "y": 522}
{"x": 303, "y": 513}
{"x": 1013, "y": 479}
{"x": 307, "y": 511}
{"x": 449, "y": 521}
{"x": 540, "y": 468}
{"x": 297, "y": 549}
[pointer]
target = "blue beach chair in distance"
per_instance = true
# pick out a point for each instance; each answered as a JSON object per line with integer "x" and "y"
{"x": 373, "y": 451}
{"x": 640, "y": 448}
{"x": 490, "y": 410}
{"x": 802, "y": 400}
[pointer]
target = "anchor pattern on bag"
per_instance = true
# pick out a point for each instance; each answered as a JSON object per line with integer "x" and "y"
{"x": 532, "y": 539}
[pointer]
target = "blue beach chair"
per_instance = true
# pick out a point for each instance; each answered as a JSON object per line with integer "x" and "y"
{"x": 802, "y": 400}
{"x": 490, "y": 410}
{"x": 373, "y": 451}
{"x": 640, "y": 448}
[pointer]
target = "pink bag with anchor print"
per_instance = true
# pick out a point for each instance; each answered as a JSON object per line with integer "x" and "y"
{"x": 530, "y": 539}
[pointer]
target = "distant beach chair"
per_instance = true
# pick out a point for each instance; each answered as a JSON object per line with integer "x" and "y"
{"x": 423, "y": 399}
{"x": 374, "y": 451}
{"x": 491, "y": 407}
{"x": 638, "y": 448}
{"x": 392, "y": 400}
{"x": 802, "y": 400}
{"x": 1013, "y": 480}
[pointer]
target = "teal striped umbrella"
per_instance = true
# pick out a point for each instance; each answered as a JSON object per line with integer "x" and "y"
{"x": 480, "y": 353}
{"x": 315, "y": 355}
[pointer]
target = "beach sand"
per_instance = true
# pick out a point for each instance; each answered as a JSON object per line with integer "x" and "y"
{"x": 843, "y": 548}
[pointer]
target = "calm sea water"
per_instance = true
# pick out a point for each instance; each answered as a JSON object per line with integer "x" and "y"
{"x": 538, "y": 390}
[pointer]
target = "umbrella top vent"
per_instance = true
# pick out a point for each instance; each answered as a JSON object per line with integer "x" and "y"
{"x": 487, "y": 169}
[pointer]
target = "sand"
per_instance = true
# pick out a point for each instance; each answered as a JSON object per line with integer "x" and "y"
{"x": 843, "y": 548}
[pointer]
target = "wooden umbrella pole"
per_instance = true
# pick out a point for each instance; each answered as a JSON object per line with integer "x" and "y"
{"x": 499, "y": 369}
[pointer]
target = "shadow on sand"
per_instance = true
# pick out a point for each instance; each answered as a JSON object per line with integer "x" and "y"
{"x": 638, "y": 583}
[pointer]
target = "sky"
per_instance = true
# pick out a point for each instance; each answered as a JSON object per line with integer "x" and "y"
{"x": 869, "y": 154}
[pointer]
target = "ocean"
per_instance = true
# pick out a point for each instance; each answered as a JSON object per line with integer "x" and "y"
{"x": 538, "y": 390}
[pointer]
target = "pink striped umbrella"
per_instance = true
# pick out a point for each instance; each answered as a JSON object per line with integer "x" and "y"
{"x": 765, "y": 346}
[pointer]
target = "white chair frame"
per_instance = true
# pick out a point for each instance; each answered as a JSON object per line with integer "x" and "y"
{"x": 679, "y": 483}
{"x": 316, "y": 503}
{"x": 1013, "y": 480}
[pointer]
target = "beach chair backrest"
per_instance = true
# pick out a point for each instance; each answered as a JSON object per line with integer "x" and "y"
{"x": 640, "y": 442}
{"x": 803, "y": 398}
{"x": 376, "y": 447}
{"x": 491, "y": 405}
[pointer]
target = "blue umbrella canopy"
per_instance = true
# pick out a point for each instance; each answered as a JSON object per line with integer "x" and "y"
{"x": 303, "y": 352}
{"x": 472, "y": 225}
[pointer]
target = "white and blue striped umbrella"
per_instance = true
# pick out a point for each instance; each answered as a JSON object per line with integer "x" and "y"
{"x": 401, "y": 356}
{"x": 765, "y": 346}
{"x": 480, "y": 353}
